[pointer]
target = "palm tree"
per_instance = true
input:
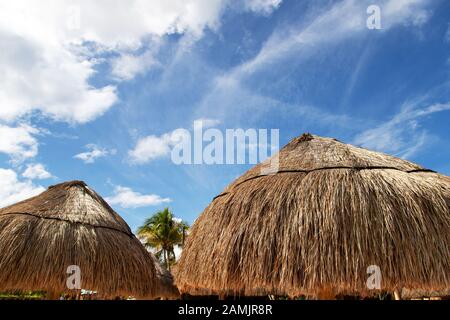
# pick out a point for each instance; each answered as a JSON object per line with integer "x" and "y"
{"x": 162, "y": 232}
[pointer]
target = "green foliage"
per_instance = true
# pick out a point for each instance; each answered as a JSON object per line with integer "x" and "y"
{"x": 22, "y": 295}
{"x": 162, "y": 233}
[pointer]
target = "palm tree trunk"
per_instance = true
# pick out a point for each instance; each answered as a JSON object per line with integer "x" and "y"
{"x": 166, "y": 261}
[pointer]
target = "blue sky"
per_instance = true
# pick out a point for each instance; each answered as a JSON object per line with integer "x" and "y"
{"x": 85, "y": 85}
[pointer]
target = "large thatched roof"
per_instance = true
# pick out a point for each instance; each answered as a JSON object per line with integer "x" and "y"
{"x": 70, "y": 224}
{"x": 330, "y": 212}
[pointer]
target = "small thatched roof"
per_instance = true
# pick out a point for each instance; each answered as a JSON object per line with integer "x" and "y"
{"x": 70, "y": 224}
{"x": 316, "y": 225}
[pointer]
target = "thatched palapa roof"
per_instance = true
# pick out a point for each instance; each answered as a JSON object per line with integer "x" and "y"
{"x": 331, "y": 211}
{"x": 70, "y": 224}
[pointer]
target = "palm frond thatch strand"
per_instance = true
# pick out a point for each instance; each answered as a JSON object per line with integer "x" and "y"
{"x": 70, "y": 224}
{"x": 331, "y": 211}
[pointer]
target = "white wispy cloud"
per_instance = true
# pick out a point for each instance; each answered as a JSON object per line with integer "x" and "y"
{"x": 401, "y": 135}
{"x": 150, "y": 148}
{"x": 19, "y": 142}
{"x": 36, "y": 171}
{"x": 46, "y": 66}
{"x": 153, "y": 147}
{"x": 338, "y": 22}
{"x": 343, "y": 20}
{"x": 51, "y": 49}
{"x": 208, "y": 122}
{"x": 234, "y": 102}
{"x": 447, "y": 34}
{"x": 128, "y": 65}
{"x": 13, "y": 190}
{"x": 94, "y": 152}
{"x": 41, "y": 74}
{"x": 262, "y": 6}
{"x": 127, "y": 198}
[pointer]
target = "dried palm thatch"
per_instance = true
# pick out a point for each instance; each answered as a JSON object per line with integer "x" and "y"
{"x": 168, "y": 289}
{"x": 70, "y": 224}
{"x": 313, "y": 228}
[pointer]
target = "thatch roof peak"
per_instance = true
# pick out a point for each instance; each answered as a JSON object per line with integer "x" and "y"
{"x": 309, "y": 152}
{"x": 303, "y": 138}
{"x": 69, "y": 184}
{"x": 72, "y": 202}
